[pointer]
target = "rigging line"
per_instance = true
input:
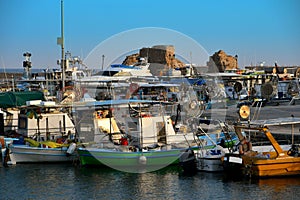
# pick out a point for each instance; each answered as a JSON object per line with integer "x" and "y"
{"x": 255, "y": 111}
{"x": 207, "y": 136}
{"x": 258, "y": 113}
{"x": 4, "y": 68}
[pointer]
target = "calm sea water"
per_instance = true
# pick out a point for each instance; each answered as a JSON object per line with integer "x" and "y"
{"x": 65, "y": 181}
{"x": 18, "y": 70}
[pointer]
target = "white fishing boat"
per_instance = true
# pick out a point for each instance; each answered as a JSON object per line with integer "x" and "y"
{"x": 210, "y": 160}
{"x": 46, "y": 134}
{"x": 41, "y": 152}
{"x": 208, "y": 155}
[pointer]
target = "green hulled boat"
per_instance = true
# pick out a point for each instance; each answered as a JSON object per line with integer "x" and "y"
{"x": 132, "y": 136}
{"x": 135, "y": 162}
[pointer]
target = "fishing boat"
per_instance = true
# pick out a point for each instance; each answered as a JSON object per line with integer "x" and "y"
{"x": 45, "y": 134}
{"x": 41, "y": 152}
{"x": 208, "y": 155}
{"x": 130, "y": 135}
{"x": 276, "y": 162}
{"x": 211, "y": 160}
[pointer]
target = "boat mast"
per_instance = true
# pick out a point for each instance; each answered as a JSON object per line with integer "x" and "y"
{"x": 61, "y": 42}
{"x": 141, "y": 126}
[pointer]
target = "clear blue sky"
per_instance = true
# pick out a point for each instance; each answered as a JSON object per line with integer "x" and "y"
{"x": 255, "y": 30}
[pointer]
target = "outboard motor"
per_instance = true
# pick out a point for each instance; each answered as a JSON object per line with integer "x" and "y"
{"x": 187, "y": 161}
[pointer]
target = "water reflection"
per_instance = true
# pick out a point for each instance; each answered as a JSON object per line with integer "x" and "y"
{"x": 37, "y": 181}
{"x": 278, "y": 184}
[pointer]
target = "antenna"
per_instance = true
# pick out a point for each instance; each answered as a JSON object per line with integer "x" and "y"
{"x": 4, "y": 69}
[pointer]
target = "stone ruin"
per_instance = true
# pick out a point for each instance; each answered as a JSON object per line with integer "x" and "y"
{"x": 161, "y": 59}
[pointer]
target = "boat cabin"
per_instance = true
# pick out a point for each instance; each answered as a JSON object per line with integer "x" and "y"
{"x": 44, "y": 120}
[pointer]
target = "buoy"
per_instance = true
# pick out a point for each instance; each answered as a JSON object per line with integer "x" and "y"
{"x": 71, "y": 149}
{"x": 143, "y": 160}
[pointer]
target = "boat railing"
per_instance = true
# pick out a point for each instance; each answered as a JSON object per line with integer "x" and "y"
{"x": 262, "y": 143}
{"x": 44, "y": 131}
{"x": 10, "y": 128}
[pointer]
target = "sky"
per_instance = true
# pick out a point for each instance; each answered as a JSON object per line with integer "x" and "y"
{"x": 255, "y": 30}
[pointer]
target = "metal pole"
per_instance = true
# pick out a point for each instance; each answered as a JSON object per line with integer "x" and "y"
{"x": 293, "y": 133}
{"x": 13, "y": 82}
{"x": 62, "y": 46}
{"x": 141, "y": 127}
{"x": 64, "y": 124}
{"x": 47, "y": 129}
{"x": 102, "y": 61}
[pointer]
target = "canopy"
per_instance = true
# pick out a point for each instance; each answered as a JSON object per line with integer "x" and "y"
{"x": 13, "y": 99}
{"x": 277, "y": 121}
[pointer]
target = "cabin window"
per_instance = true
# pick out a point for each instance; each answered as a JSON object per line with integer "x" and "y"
{"x": 132, "y": 126}
{"x": 161, "y": 132}
{"x": 22, "y": 123}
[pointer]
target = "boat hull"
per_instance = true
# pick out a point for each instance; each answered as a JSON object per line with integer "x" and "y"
{"x": 188, "y": 162}
{"x": 210, "y": 164}
{"x": 286, "y": 166}
{"x": 27, "y": 154}
{"x": 129, "y": 161}
{"x": 233, "y": 165}
{"x": 255, "y": 166}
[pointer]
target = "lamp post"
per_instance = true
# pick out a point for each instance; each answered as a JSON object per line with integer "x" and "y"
{"x": 27, "y": 65}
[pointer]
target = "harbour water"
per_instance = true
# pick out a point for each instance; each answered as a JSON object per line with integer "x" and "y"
{"x": 65, "y": 181}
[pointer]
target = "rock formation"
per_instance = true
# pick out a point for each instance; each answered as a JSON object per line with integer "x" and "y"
{"x": 221, "y": 61}
{"x": 131, "y": 59}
